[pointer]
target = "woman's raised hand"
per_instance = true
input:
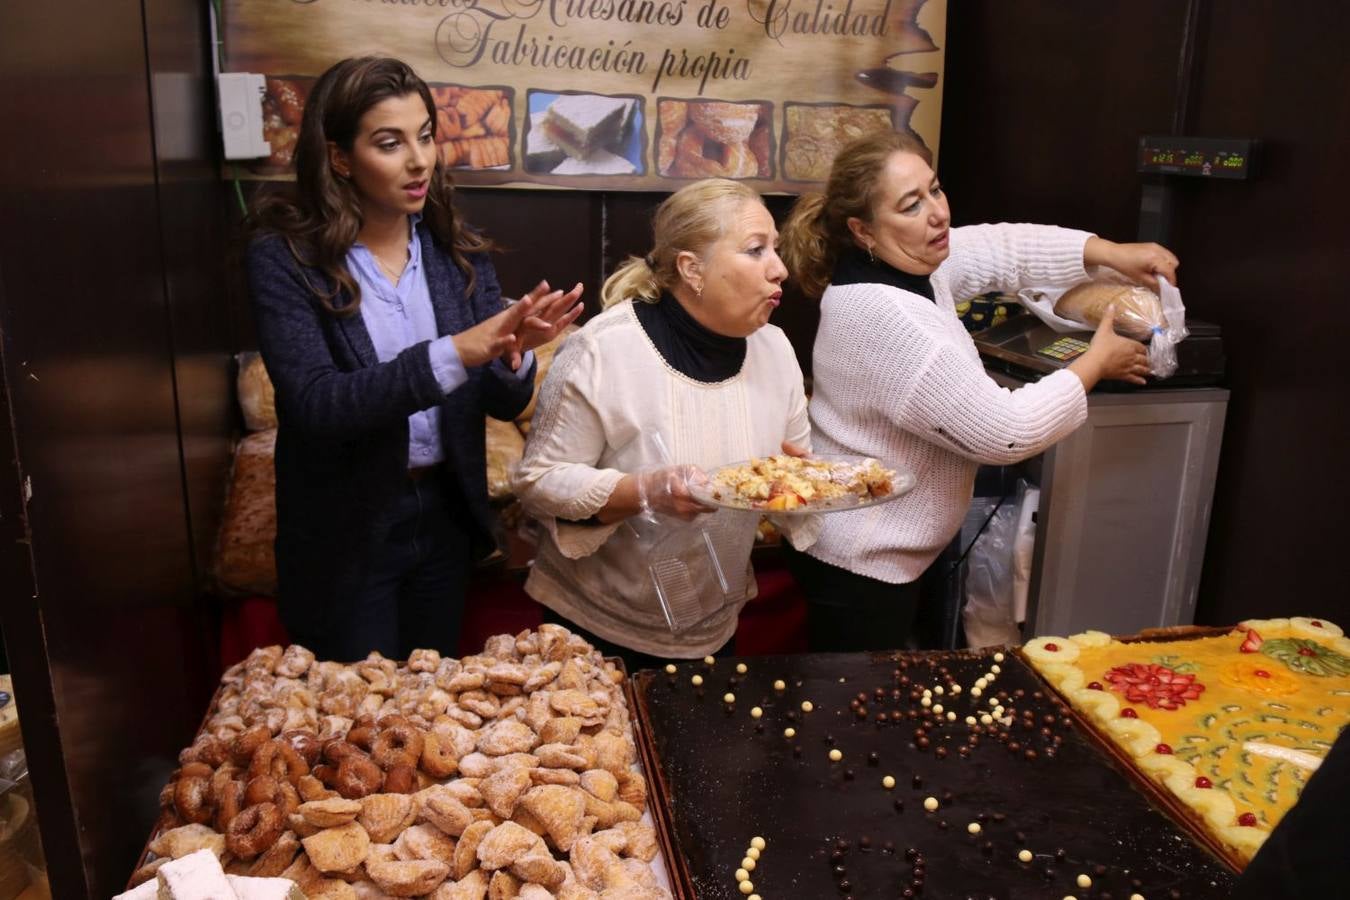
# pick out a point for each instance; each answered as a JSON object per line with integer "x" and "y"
{"x": 496, "y": 336}
{"x": 1140, "y": 263}
{"x": 1111, "y": 356}
{"x": 552, "y": 312}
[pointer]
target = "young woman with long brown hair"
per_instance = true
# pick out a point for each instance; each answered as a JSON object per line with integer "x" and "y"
{"x": 381, "y": 323}
{"x": 896, "y": 376}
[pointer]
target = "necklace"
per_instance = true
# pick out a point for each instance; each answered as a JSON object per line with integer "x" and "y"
{"x": 394, "y": 274}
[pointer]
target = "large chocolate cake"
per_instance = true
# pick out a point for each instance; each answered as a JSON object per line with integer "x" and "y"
{"x": 1026, "y": 806}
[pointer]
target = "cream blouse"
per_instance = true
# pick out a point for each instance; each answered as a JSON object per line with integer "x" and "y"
{"x": 606, "y": 397}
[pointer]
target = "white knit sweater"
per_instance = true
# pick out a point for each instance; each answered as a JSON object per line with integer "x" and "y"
{"x": 608, "y": 392}
{"x": 898, "y": 377}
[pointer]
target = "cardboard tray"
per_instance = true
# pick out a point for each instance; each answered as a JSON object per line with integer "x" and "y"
{"x": 162, "y": 818}
{"x": 658, "y": 796}
{"x": 682, "y": 885}
{"x": 678, "y": 875}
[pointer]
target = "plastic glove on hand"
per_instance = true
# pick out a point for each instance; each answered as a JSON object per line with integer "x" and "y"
{"x": 666, "y": 491}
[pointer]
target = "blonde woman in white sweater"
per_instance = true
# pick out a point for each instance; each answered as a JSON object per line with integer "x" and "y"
{"x": 683, "y": 351}
{"x": 896, "y": 375}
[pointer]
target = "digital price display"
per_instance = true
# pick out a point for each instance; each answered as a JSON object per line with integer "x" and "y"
{"x": 1200, "y": 157}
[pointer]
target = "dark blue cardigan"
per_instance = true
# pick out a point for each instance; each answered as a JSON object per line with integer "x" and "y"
{"x": 342, "y": 444}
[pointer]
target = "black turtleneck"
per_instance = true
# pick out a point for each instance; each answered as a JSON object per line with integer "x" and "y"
{"x": 686, "y": 345}
{"x": 855, "y": 267}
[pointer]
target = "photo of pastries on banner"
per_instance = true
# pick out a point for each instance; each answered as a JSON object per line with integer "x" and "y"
{"x": 283, "y": 105}
{"x": 813, "y": 135}
{"x": 711, "y": 138}
{"x": 583, "y": 134}
{"x": 473, "y": 126}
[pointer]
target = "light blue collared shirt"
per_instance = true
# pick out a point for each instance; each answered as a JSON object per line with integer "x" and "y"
{"x": 398, "y": 316}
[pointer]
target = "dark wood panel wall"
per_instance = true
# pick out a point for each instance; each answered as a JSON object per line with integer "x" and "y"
{"x": 115, "y": 368}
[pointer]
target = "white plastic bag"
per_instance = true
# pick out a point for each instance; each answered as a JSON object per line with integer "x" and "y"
{"x": 1162, "y": 354}
{"x": 998, "y": 568}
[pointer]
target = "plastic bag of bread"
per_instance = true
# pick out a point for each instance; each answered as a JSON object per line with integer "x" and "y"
{"x": 245, "y": 558}
{"x": 1156, "y": 319}
{"x": 257, "y": 401}
{"x": 1139, "y": 312}
{"x": 505, "y": 446}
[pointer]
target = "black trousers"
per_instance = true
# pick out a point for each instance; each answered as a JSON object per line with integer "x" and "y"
{"x": 847, "y": 612}
{"x": 413, "y": 593}
{"x": 633, "y": 660}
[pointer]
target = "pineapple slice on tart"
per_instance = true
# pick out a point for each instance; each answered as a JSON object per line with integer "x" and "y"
{"x": 1267, "y": 627}
{"x": 1135, "y": 735}
{"x": 1091, "y": 638}
{"x": 1216, "y": 807}
{"x": 1246, "y": 839}
{"x": 1314, "y": 628}
{"x": 1065, "y": 677}
{"x": 1050, "y": 650}
{"x": 1101, "y": 705}
{"x": 1162, "y": 766}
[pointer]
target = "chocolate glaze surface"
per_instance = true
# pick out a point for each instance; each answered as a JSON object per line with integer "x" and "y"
{"x": 833, "y": 830}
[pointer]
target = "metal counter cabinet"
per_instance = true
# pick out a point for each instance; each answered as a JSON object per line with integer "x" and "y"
{"x": 1124, "y": 513}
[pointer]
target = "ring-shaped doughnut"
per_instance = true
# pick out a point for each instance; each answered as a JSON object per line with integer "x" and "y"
{"x": 254, "y": 830}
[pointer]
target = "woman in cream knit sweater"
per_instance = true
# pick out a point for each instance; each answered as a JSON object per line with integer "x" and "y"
{"x": 897, "y": 377}
{"x": 684, "y": 352}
